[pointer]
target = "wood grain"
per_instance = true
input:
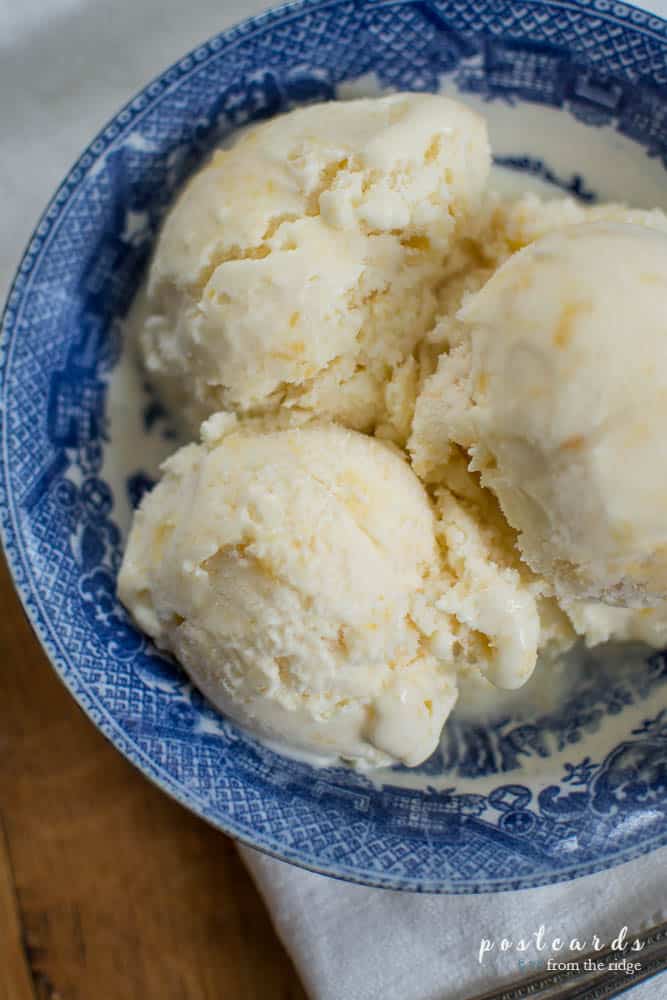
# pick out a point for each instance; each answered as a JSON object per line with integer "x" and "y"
{"x": 108, "y": 889}
{"x": 15, "y": 977}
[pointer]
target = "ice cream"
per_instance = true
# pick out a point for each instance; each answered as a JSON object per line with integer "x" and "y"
{"x": 342, "y": 269}
{"x": 274, "y": 568}
{"x": 487, "y": 238}
{"x": 557, "y": 392}
{"x": 597, "y": 623}
{"x": 299, "y": 269}
{"x": 306, "y": 583}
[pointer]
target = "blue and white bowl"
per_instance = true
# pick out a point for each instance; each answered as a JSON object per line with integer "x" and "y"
{"x": 576, "y": 100}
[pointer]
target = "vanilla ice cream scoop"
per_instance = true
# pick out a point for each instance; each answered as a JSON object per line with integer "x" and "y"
{"x": 289, "y": 572}
{"x": 300, "y": 267}
{"x": 558, "y": 393}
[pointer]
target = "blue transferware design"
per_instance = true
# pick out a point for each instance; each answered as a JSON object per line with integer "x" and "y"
{"x": 573, "y": 184}
{"x": 521, "y": 801}
{"x": 502, "y": 745}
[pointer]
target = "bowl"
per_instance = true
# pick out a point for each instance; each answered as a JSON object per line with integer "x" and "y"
{"x": 566, "y": 782}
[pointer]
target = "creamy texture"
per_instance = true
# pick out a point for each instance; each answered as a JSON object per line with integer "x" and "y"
{"x": 300, "y": 268}
{"x": 306, "y": 583}
{"x": 557, "y": 391}
{"x": 295, "y": 595}
{"x": 487, "y": 596}
{"x": 598, "y": 623}
{"x": 343, "y": 263}
{"x": 486, "y": 240}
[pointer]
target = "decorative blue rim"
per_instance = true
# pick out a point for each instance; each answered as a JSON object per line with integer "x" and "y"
{"x": 411, "y": 876}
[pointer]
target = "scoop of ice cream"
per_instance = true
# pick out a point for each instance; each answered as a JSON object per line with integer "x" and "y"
{"x": 300, "y": 267}
{"x": 485, "y": 240}
{"x": 289, "y": 573}
{"x": 558, "y": 393}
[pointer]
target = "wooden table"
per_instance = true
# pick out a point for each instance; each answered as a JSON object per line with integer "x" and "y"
{"x": 108, "y": 889}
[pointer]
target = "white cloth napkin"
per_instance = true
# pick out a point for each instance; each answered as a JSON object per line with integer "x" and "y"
{"x": 65, "y": 67}
{"x": 354, "y": 943}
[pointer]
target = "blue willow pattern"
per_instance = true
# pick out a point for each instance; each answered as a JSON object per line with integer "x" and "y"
{"x": 494, "y": 827}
